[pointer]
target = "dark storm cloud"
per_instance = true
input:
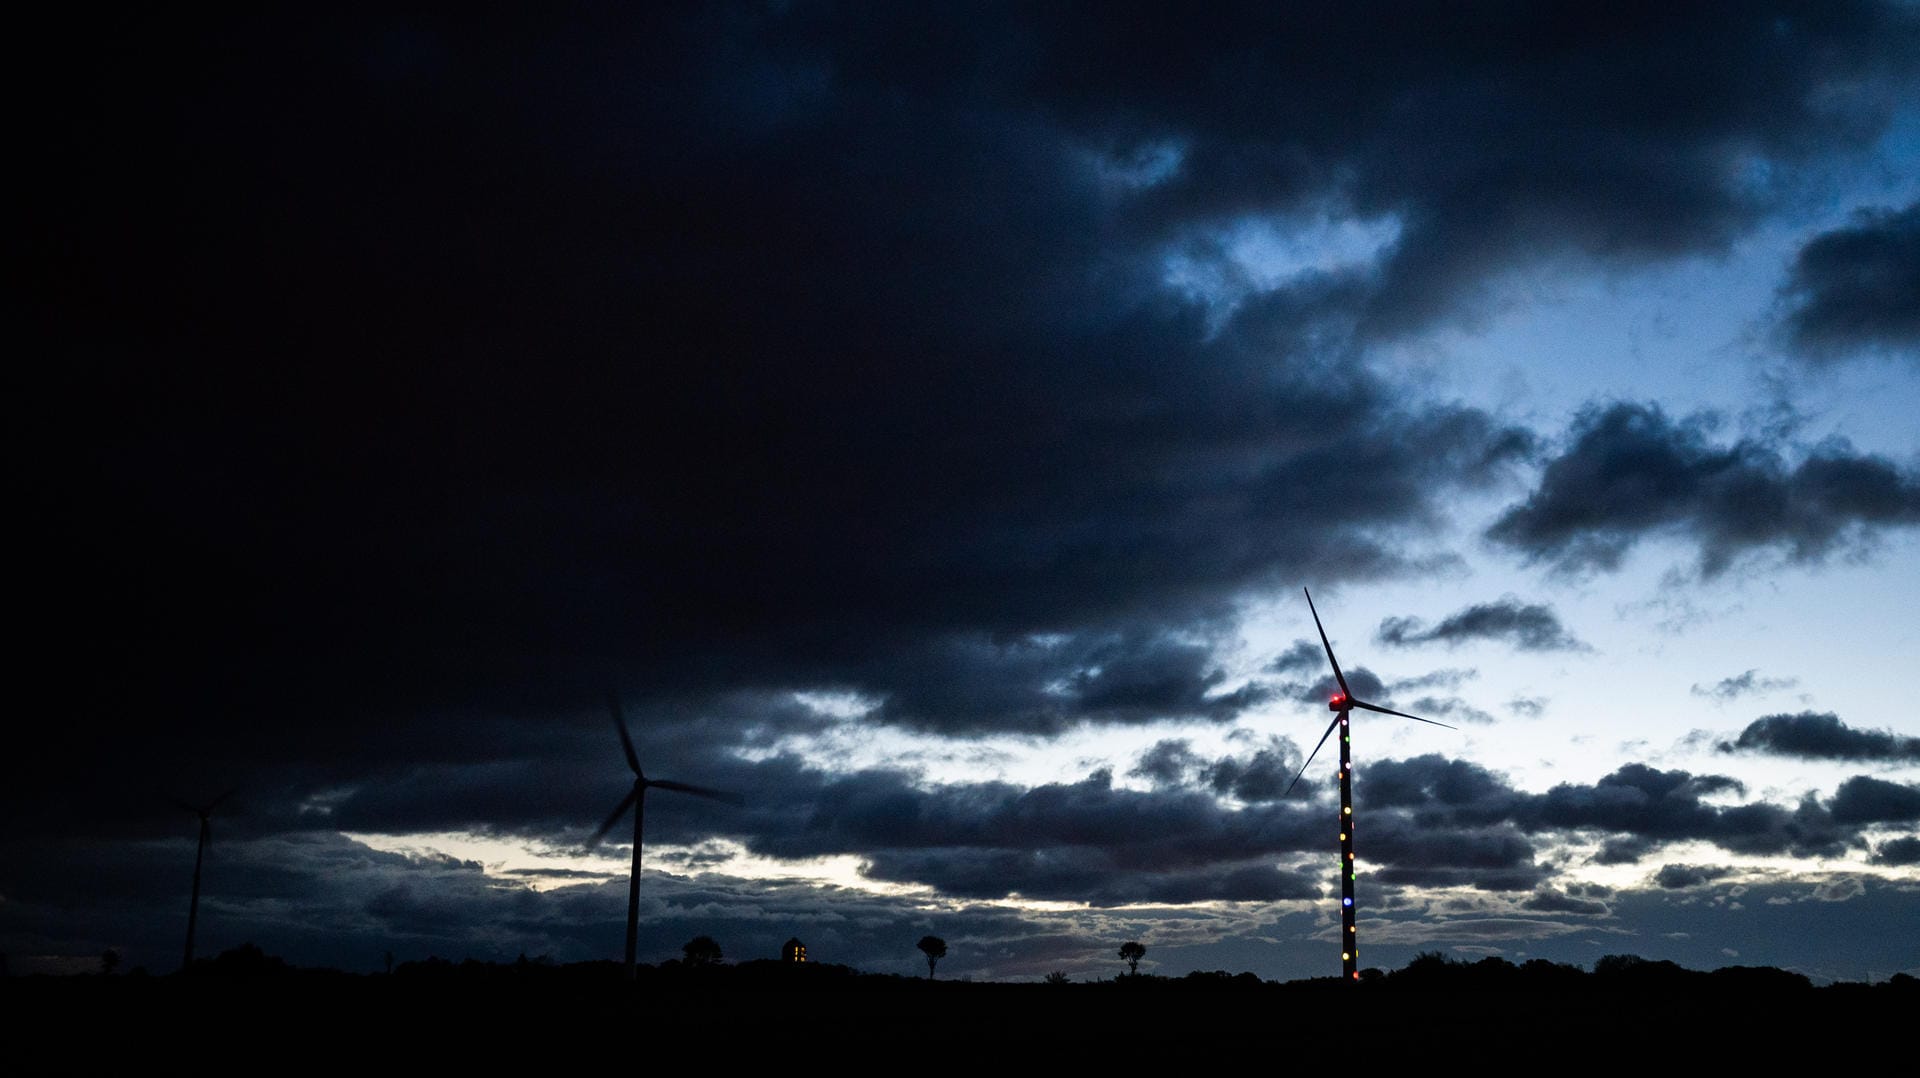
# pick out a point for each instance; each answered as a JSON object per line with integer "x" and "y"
{"x": 1865, "y": 799}
{"x": 1448, "y": 707}
{"x": 1549, "y": 900}
{"x": 1404, "y": 845}
{"x": 1675, "y": 877}
{"x": 1083, "y": 876}
{"x": 1460, "y": 790}
{"x": 1624, "y": 850}
{"x": 1898, "y": 851}
{"x": 1521, "y": 878}
{"x": 1262, "y": 777}
{"x": 1044, "y": 684}
{"x": 1303, "y": 657}
{"x": 1637, "y": 799}
{"x": 1857, "y": 289}
{"x": 1365, "y": 684}
{"x": 1820, "y": 735}
{"x": 1167, "y": 763}
{"x": 1415, "y": 119}
{"x": 1747, "y": 683}
{"x": 1091, "y": 838}
{"x": 1630, "y": 473}
{"x": 1526, "y": 626}
{"x": 1061, "y": 825}
{"x": 1636, "y": 809}
{"x": 476, "y": 374}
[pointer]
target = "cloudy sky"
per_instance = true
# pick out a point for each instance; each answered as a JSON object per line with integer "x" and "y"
{"x": 925, "y": 418}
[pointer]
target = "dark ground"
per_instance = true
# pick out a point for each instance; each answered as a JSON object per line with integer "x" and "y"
{"x": 497, "y": 1018}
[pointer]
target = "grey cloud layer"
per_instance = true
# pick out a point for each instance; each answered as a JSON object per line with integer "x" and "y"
{"x": 1743, "y": 684}
{"x": 1820, "y": 735}
{"x": 1629, "y": 473}
{"x": 1429, "y": 821}
{"x": 1526, "y": 626}
{"x": 1857, "y": 289}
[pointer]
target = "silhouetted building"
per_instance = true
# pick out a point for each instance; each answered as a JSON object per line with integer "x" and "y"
{"x": 793, "y": 951}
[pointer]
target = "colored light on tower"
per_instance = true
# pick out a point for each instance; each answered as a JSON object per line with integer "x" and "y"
{"x": 1346, "y": 901}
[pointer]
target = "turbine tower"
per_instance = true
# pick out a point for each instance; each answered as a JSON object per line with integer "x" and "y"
{"x": 1342, "y": 706}
{"x": 637, "y": 799}
{"x": 205, "y": 812}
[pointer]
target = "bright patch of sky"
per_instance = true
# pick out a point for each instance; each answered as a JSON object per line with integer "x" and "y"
{"x": 1259, "y": 254}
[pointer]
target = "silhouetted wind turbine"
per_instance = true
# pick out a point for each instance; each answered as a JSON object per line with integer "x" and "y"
{"x": 637, "y": 800}
{"x": 1342, "y": 705}
{"x": 205, "y": 812}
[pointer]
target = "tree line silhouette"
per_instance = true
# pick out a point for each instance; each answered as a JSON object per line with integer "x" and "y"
{"x": 703, "y": 956}
{"x": 264, "y": 1006}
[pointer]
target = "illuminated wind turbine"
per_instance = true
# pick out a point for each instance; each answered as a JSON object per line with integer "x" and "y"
{"x": 637, "y": 799}
{"x": 1342, "y": 705}
{"x": 205, "y": 812}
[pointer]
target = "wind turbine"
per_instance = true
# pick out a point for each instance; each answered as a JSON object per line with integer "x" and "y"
{"x": 637, "y": 800}
{"x": 205, "y": 812}
{"x": 1342, "y": 706}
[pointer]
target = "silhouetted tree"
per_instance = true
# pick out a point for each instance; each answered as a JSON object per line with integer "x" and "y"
{"x": 1426, "y": 967}
{"x": 1131, "y": 952}
{"x": 1057, "y": 977}
{"x": 109, "y": 961}
{"x": 935, "y": 949}
{"x": 702, "y": 951}
{"x": 246, "y": 960}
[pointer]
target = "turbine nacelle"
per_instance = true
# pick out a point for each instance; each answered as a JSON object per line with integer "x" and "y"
{"x": 1340, "y": 702}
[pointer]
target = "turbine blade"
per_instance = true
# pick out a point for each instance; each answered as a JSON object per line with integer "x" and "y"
{"x": 1402, "y": 714}
{"x": 1337, "y": 675}
{"x": 698, "y": 791}
{"x": 626, "y": 743}
{"x": 614, "y": 816}
{"x": 215, "y": 803}
{"x": 1310, "y": 756}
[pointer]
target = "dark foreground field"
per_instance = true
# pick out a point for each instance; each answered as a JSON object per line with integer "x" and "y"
{"x": 495, "y": 1018}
